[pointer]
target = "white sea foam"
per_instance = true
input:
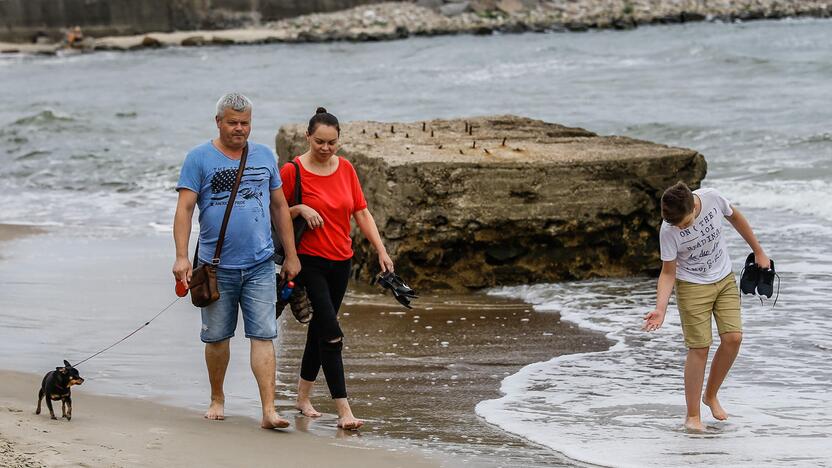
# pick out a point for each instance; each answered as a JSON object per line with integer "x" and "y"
{"x": 625, "y": 406}
{"x": 808, "y": 197}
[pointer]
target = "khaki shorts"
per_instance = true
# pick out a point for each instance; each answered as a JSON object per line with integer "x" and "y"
{"x": 697, "y": 302}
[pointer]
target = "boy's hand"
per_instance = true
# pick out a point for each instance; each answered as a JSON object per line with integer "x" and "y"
{"x": 653, "y": 320}
{"x": 762, "y": 260}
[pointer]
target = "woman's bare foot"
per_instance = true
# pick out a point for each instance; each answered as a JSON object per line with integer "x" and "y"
{"x": 273, "y": 421}
{"x": 216, "y": 410}
{"x": 305, "y": 407}
{"x": 350, "y": 423}
{"x": 346, "y": 420}
{"x": 303, "y": 402}
{"x": 694, "y": 424}
{"x": 716, "y": 408}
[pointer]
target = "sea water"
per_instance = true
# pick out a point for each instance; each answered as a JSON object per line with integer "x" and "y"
{"x": 94, "y": 143}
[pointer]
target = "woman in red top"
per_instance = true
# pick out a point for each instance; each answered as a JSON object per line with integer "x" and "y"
{"x": 331, "y": 195}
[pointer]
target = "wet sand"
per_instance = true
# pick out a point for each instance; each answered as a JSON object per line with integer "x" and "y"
{"x": 117, "y": 431}
{"x": 10, "y": 232}
{"x": 108, "y": 431}
{"x": 414, "y": 375}
{"x": 418, "y": 374}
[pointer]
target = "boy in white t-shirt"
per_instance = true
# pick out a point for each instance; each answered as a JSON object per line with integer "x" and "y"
{"x": 695, "y": 260}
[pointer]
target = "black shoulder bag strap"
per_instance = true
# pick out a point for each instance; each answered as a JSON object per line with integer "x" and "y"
{"x": 298, "y": 224}
{"x": 298, "y": 192}
{"x": 216, "y": 260}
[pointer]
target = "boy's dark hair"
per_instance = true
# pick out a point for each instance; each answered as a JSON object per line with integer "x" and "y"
{"x": 322, "y": 117}
{"x": 677, "y": 202}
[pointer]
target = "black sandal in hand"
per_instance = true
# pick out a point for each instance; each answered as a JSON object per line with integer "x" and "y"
{"x": 401, "y": 291}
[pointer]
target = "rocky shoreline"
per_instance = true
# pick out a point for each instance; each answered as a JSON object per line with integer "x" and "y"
{"x": 398, "y": 20}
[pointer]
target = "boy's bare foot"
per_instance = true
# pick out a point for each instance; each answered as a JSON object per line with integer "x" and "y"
{"x": 216, "y": 411}
{"x": 305, "y": 407}
{"x": 694, "y": 424}
{"x": 273, "y": 421}
{"x": 716, "y": 409}
{"x": 350, "y": 423}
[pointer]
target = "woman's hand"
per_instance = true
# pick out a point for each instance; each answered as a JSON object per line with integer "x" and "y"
{"x": 653, "y": 320}
{"x": 313, "y": 219}
{"x": 385, "y": 262}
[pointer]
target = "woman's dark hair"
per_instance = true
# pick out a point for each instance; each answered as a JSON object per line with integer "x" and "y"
{"x": 677, "y": 202}
{"x": 322, "y": 117}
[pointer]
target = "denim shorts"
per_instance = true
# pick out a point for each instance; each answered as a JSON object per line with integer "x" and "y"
{"x": 251, "y": 289}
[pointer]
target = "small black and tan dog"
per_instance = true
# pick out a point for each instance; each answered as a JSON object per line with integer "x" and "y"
{"x": 55, "y": 386}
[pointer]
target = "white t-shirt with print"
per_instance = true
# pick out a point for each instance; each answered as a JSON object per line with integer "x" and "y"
{"x": 699, "y": 249}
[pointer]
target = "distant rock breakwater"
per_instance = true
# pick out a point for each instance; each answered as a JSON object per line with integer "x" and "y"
{"x": 398, "y": 20}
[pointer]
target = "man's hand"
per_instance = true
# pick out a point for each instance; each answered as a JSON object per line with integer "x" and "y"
{"x": 291, "y": 267}
{"x": 182, "y": 270}
{"x": 653, "y": 320}
{"x": 762, "y": 260}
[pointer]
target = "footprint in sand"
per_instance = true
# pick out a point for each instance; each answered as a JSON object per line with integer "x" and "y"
{"x": 155, "y": 445}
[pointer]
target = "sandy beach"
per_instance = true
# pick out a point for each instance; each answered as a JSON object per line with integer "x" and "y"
{"x": 415, "y": 375}
{"x": 107, "y": 431}
{"x": 113, "y": 431}
{"x": 13, "y": 231}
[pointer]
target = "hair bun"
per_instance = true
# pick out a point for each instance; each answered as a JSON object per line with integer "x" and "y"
{"x": 321, "y": 110}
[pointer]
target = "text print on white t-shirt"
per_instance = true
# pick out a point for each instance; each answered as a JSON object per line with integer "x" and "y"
{"x": 706, "y": 237}
{"x": 698, "y": 250}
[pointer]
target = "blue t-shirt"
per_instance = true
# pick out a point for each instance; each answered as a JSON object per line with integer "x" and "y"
{"x": 211, "y": 174}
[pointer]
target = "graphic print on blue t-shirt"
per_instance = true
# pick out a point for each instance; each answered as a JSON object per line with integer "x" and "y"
{"x": 211, "y": 174}
{"x": 250, "y": 185}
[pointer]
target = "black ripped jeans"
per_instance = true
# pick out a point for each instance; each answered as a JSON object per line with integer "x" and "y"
{"x": 326, "y": 283}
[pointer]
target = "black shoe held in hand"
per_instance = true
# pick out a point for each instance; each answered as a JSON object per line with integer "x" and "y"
{"x": 750, "y": 275}
{"x": 759, "y": 281}
{"x": 765, "y": 284}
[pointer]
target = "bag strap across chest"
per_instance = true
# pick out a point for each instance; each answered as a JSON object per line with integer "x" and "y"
{"x": 220, "y": 240}
{"x": 298, "y": 192}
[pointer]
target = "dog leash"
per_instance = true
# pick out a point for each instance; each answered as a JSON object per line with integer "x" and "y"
{"x": 131, "y": 333}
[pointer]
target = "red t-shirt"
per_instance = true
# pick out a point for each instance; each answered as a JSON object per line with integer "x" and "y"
{"x": 335, "y": 197}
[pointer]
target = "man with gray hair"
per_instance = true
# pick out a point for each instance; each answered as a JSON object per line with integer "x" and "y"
{"x": 246, "y": 272}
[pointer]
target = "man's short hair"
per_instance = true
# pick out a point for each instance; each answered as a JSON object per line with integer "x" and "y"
{"x": 234, "y": 101}
{"x": 677, "y": 203}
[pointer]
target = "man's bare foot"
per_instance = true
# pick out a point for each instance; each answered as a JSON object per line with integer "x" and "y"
{"x": 305, "y": 407}
{"x": 273, "y": 421}
{"x": 716, "y": 408}
{"x": 350, "y": 423}
{"x": 694, "y": 424}
{"x": 216, "y": 411}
